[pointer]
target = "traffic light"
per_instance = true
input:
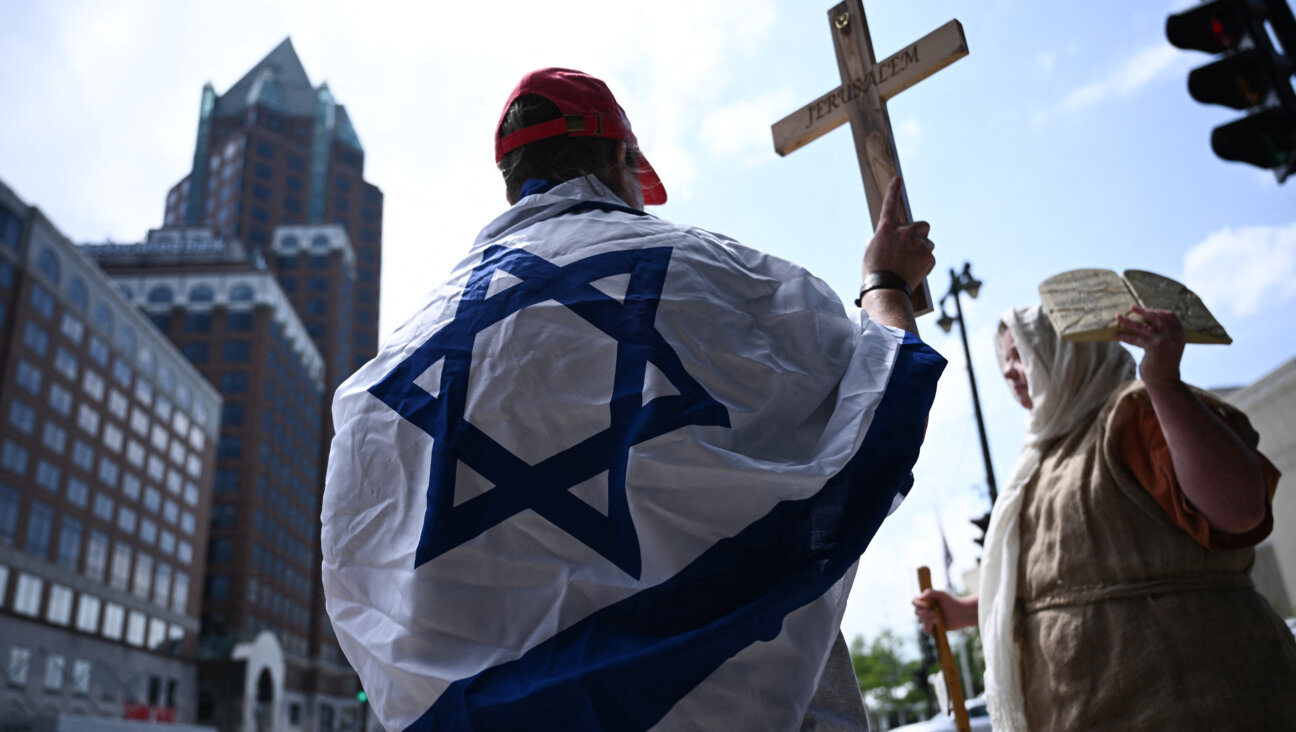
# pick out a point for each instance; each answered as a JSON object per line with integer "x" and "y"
{"x": 1254, "y": 74}
{"x": 983, "y": 523}
{"x": 361, "y": 696}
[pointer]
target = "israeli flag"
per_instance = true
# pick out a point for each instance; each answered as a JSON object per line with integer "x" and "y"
{"x": 615, "y": 475}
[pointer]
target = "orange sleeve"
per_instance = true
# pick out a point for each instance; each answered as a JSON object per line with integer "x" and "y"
{"x": 1145, "y": 452}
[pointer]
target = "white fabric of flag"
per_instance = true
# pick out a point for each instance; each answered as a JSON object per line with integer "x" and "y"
{"x": 615, "y": 474}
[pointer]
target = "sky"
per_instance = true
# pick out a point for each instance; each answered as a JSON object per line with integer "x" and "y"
{"x": 1065, "y": 139}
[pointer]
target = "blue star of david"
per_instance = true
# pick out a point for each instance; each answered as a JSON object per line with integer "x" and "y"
{"x": 545, "y": 486}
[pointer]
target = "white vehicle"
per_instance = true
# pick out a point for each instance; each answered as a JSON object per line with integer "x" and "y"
{"x": 978, "y": 716}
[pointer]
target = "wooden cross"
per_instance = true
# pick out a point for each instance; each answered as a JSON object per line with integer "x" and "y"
{"x": 861, "y": 99}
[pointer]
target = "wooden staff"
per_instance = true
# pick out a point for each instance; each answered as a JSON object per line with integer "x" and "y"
{"x": 952, "y": 684}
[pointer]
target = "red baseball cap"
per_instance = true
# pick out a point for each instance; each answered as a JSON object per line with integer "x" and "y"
{"x": 589, "y": 110}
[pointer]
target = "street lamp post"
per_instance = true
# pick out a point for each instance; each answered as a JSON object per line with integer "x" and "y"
{"x": 965, "y": 282}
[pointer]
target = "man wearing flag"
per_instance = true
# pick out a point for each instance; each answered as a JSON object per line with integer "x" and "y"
{"x": 616, "y": 473}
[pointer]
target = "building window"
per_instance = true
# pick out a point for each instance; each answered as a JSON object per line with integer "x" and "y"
{"x": 152, "y": 499}
{"x": 144, "y": 392}
{"x": 88, "y": 419}
{"x": 241, "y": 293}
{"x": 76, "y": 292}
{"x": 10, "y": 503}
{"x": 317, "y": 284}
{"x": 69, "y": 547}
{"x": 117, "y": 404}
{"x": 40, "y": 527}
{"x": 196, "y": 353}
{"x": 53, "y": 672}
{"x": 29, "y": 377}
{"x": 81, "y": 671}
{"x": 35, "y": 337}
{"x": 82, "y": 455}
{"x": 42, "y": 301}
{"x": 155, "y": 468}
{"x": 198, "y": 323}
{"x": 14, "y": 458}
{"x": 238, "y": 322}
{"x": 236, "y": 351}
{"x": 139, "y": 421}
{"x": 113, "y": 619}
{"x": 162, "y": 584}
{"x": 112, "y": 437}
{"x": 126, "y": 340}
{"x": 156, "y": 635}
{"x": 135, "y": 453}
{"x": 126, "y": 519}
{"x": 28, "y": 597}
{"x": 180, "y": 592}
{"x": 60, "y": 399}
{"x": 103, "y": 318}
{"x": 232, "y": 414}
{"x": 220, "y": 551}
{"x": 47, "y": 476}
{"x": 170, "y": 511}
{"x": 120, "y": 574}
{"x": 72, "y": 328}
{"x": 77, "y": 491}
{"x": 65, "y": 363}
{"x": 108, "y": 472}
{"x": 19, "y": 662}
{"x": 233, "y": 382}
{"x": 93, "y": 385}
{"x": 88, "y": 614}
{"x": 22, "y": 417}
{"x": 103, "y": 507}
{"x": 158, "y": 437}
{"x": 122, "y": 372}
{"x": 148, "y": 531}
{"x": 98, "y": 351}
{"x": 59, "y": 611}
{"x": 47, "y": 263}
{"x": 230, "y": 447}
{"x": 161, "y": 295}
{"x": 143, "y": 575}
{"x": 226, "y": 481}
{"x": 218, "y": 586}
{"x": 96, "y": 556}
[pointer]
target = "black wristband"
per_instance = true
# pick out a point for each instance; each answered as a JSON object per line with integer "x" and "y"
{"x": 881, "y": 280}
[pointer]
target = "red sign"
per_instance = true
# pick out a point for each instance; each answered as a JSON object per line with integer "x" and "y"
{"x": 145, "y": 713}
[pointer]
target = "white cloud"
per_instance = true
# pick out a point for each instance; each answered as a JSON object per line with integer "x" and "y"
{"x": 742, "y": 129}
{"x": 1140, "y": 70}
{"x": 1242, "y": 269}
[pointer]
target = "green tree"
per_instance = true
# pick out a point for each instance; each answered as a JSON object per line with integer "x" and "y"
{"x": 884, "y": 674}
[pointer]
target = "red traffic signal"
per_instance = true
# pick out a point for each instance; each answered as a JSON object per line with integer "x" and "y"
{"x": 1213, "y": 27}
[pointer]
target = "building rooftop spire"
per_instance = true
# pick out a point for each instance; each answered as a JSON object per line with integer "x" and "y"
{"x": 282, "y": 72}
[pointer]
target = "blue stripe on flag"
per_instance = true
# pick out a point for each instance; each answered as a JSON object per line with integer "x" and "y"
{"x": 625, "y": 666}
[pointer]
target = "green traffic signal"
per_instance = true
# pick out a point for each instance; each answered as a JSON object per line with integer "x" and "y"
{"x": 1266, "y": 139}
{"x": 361, "y": 696}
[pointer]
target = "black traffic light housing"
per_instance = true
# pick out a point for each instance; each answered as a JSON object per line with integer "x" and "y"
{"x": 983, "y": 523}
{"x": 1254, "y": 74}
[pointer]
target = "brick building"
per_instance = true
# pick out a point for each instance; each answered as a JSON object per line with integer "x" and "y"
{"x": 108, "y": 442}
